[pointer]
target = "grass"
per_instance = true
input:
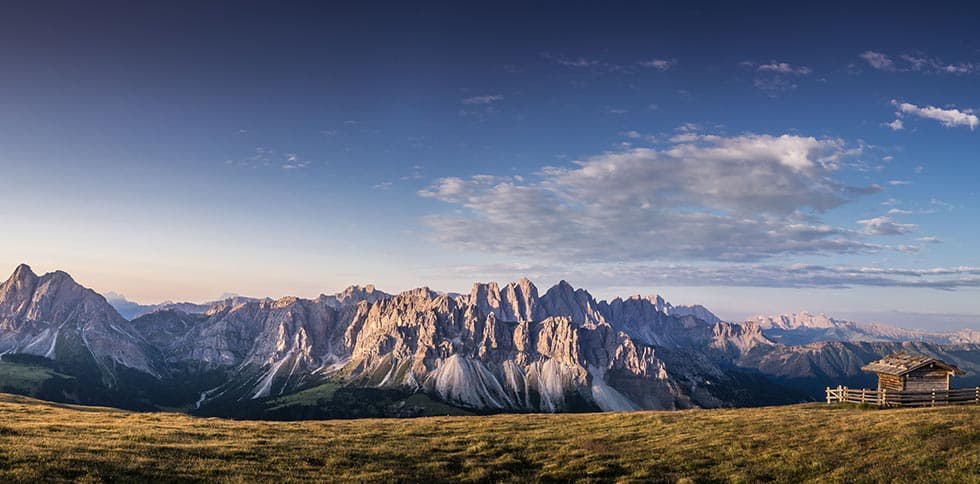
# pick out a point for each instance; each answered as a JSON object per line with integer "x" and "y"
{"x": 310, "y": 396}
{"x": 26, "y": 378}
{"x": 46, "y": 442}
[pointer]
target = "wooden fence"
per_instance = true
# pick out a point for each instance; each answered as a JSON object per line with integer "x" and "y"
{"x": 884, "y": 398}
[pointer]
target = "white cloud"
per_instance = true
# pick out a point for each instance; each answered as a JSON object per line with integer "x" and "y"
{"x": 899, "y": 211}
{"x": 947, "y": 117}
{"x": 746, "y": 197}
{"x": 482, "y": 100}
{"x": 899, "y": 182}
{"x": 878, "y": 60}
{"x": 896, "y": 125}
{"x": 784, "y": 68}
{"x": 884, "y": 226}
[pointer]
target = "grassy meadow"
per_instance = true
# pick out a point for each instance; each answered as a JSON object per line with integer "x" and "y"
{"x": 53, "y": 442}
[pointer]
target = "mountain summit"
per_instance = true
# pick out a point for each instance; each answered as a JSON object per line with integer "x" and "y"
{"x": 55, "y": 317}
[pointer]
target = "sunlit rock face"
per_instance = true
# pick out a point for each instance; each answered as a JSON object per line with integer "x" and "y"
{"x": 55, "y": 317}
{"x": 497, "y": 348}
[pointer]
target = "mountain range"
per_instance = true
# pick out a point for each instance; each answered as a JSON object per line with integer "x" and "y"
{"x": 804, "y": 327}
{"x": 363, "y": 352}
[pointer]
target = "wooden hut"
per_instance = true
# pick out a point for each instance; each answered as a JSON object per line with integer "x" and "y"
{"x": 905, "y": 372}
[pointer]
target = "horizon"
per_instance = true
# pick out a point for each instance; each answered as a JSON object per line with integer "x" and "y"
{"x": 939, "y": 322}
{"x": 653, "y": 149}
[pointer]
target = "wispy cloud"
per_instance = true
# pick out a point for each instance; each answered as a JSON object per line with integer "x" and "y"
{"x": 783, "y": 68}
{"x": 598, "y": 65}
{"x": 949, "y": 117}
{"x": 658, "y": 64}
{"x": 735, "y": 275}
{"x": 265, "y": 157}
{"x": 878, "y": 60}
{"x": 775, "y": 77}
{"x": 885, "y": 226}
{"x": 575, "y": 62}
{"x": 293, "y": 162}
{"x": 482, "y": 100}
{"x": 916, "y": 63}
{"x": 480, "y": 107}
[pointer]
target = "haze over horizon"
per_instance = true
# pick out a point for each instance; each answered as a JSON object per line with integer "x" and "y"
{"x": 184, "y": 151}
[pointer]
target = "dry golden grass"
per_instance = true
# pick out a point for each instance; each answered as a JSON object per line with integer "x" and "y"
{"x": 45, "y": 442}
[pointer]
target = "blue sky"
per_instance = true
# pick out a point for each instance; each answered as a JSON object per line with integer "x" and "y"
{"x": 753, "y": 159}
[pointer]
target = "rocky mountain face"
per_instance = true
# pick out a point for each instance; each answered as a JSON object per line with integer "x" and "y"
{"x": 54, "y": 317}
{"x": 805, "y": 328}
{"x": 495, "y": 349}
{"x": 498, "y": 348}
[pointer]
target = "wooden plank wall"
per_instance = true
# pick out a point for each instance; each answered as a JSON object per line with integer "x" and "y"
{"x": 890, "y": 382}
{"x": 927, "y": 379}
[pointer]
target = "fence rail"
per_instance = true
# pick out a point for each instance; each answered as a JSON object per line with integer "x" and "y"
{"x": 884, "y": 398}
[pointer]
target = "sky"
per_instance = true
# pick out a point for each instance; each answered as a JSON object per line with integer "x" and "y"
{"x": 756, "y": 159}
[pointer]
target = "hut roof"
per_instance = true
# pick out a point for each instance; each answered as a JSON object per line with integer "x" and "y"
{"x": 901, "y": 363}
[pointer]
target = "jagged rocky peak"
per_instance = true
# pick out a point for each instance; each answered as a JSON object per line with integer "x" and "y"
{"x": 355, "y": 294}
{"x": 517, "y": 301}
{"x": 24, "y": 279}
{"x": 23, "y": 273}
{"x": 420, "y": 293}
{"x": 15, "y": 291}
{"x": 564, "y": 300}
{"x": 55, "y": 317}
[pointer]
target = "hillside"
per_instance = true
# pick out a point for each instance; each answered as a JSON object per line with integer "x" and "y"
{"x": 49, "y": 442}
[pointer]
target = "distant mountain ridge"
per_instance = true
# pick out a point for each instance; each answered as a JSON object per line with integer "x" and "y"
{"x": 805, "y": 327}
{"x": 132, "y": 310}
{"x": 364, "y": 352}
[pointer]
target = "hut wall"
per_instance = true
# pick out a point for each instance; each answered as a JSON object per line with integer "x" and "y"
{"x": 890, "y": 382}
{"x": 926, "y": 380}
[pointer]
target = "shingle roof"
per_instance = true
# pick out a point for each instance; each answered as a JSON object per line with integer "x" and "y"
{"x": 901, "y": 363}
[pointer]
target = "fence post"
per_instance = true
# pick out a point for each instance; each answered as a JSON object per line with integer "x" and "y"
{"x": 841, "y": 393}
{"x": 862, "y": 395}
{"x": 933, "y": 397}
{"x": 884, "y": 397}
{"x": 828, "y": 395}
{"x": 978, "y": 396}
